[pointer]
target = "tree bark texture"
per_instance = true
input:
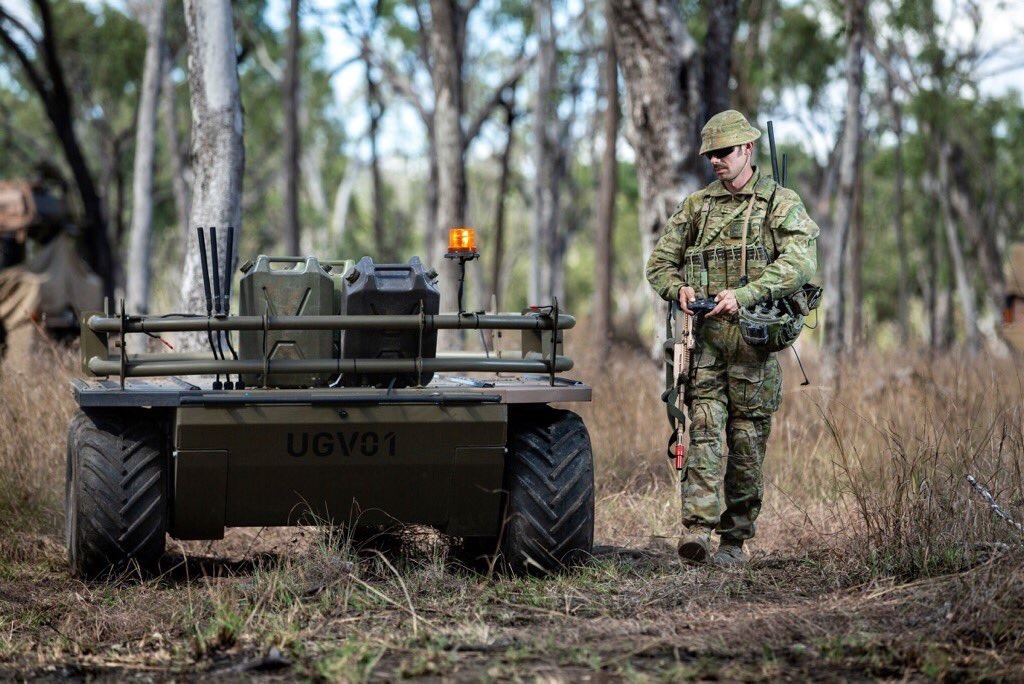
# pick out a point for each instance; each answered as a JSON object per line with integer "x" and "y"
{"x": 723, "y": 18}
{"x": 606, "y": 193}
{"x": 853, "y": 287}
{"x": 291, "y": 132}
{"x": 447, "y": 28}
{"x": 545, "y": 131}
{"x": 964, "y": 288}
{"x": 759, "y": 16}
{"x": 179, "y": 172}
{"x": 375, "y": 109}
{"x": 716, "y": 96}
{"x": 983, "y": 237}
{"x": 218, "y": 155}
{"x": 837, "y": 243}
{"x": 508, "y": 104}
{"x": 657, "y": 56}
{"x": 568, "y": 215}
{"x": 138, "y": 266}
{"x": 901, "y": 237}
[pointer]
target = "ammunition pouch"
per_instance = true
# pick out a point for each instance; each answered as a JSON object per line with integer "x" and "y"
{"x": 711, "y": 270}
{"x": 777, "y": 324}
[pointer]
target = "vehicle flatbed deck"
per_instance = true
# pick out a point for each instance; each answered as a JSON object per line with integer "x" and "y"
{"x": 443, "y": 390}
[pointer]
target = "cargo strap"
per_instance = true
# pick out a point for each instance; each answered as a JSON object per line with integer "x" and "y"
{"x": 743, "y": 243}
{"x": 675, "y": 416}
{"x": 708, "y": 239}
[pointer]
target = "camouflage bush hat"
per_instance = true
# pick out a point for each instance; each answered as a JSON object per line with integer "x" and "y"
{"x": 726, "y": 129}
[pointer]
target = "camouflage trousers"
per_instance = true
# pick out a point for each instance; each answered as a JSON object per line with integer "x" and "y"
{"x": 734, "y": 388}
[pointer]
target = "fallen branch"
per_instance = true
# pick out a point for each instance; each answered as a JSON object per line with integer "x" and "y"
{"x": 994, "y": 505}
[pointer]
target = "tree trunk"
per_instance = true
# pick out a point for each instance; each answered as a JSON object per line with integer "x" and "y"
{"x": 497, "y": 286}
{"x": 179, "y": 172}
{"x": 607, "y": 191}
{"x": 983, "y": 237}
{"x": 723, "y": 17}
{"x": 716, "y": 96}
{"x": 758, "y": 18}
{"x": 291, "y": 132}
{"x": 217, "y": 149}
{"x": 343, "y": 198}
{"x": 934, "y": 279}
{"x": 901, "y": 237}
{"x": 568, "y": 220}
{"x": 545, "y": 182}
{"x": 964, "y": 288}
{"x": 138, "y": 267}
{"x": 446, "y": 24}
{"x": 375, "y": 109}
{"x": 446, "y": 46}
{"x": 853, "y": 287}
{"x": 657, "y": 56}
{"x": 837, "y": 247}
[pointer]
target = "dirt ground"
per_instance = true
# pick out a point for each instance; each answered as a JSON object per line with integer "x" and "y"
{"x": 287, "y": 604}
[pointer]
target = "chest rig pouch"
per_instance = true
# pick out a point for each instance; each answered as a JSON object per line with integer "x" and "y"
{"x": 714, "y": 262}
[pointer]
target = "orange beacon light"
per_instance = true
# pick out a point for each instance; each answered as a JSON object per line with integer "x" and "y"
{"x": 462, "y": 247}
{"x": 461, "y": 241}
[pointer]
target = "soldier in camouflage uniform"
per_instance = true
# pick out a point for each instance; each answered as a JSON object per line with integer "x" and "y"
{"x": 734, "y": 387}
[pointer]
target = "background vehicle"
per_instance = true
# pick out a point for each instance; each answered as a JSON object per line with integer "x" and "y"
{"x": 48, "y": 286}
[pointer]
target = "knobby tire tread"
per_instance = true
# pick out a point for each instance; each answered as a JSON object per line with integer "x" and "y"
{"x": 116, "y": 492}
{"x": 550, "y": 483}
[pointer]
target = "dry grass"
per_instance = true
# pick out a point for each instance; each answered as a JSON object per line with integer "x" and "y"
{"x": 874, "y": 557}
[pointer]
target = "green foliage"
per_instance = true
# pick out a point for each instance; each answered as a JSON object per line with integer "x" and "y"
{"x": 801, "y": 53}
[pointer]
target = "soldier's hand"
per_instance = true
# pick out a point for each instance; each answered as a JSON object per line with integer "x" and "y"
{"x": 686, "y": 295}
{"x": 727, "y": 303}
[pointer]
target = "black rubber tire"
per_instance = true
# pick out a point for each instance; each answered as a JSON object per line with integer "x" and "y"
{"x": 116, "y": 502}
{"x": 549, "y": 477}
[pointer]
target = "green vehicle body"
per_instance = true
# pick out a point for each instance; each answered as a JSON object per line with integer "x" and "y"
{"x": 174, "y": 455}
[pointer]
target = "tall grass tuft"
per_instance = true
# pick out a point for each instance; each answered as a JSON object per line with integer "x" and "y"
{"x": 36, "y": 405}
{"x": 903, "y": 443}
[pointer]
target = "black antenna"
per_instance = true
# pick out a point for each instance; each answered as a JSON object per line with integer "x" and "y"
{"x": 227, "y": 298}
{"x": 228, "y": 256}
{"x": 209, "y": 301}
{"x": 206, "y": 271}
{"x": 785, "y": 159}
{"x": 218, "y": 300}
{"x": 771, "y": 148}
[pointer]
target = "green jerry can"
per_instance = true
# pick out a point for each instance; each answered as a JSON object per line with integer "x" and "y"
{"x": 302, "y": 288}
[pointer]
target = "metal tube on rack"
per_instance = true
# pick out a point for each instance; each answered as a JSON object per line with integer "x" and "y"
{"x": 430, "y": 322}
{"x": 153, "y": 367}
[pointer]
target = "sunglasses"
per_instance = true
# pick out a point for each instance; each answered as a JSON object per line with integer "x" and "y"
{"x": 720, "y": 154}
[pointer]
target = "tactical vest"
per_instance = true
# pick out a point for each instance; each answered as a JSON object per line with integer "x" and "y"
{"x": 713, "y": 262}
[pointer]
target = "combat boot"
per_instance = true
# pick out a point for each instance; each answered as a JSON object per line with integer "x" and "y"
{"x": 695, "y": 546}
{"x": 730, "y": 554}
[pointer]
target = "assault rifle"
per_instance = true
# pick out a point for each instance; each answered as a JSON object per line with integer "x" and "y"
{"x": 682, "y": 330}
